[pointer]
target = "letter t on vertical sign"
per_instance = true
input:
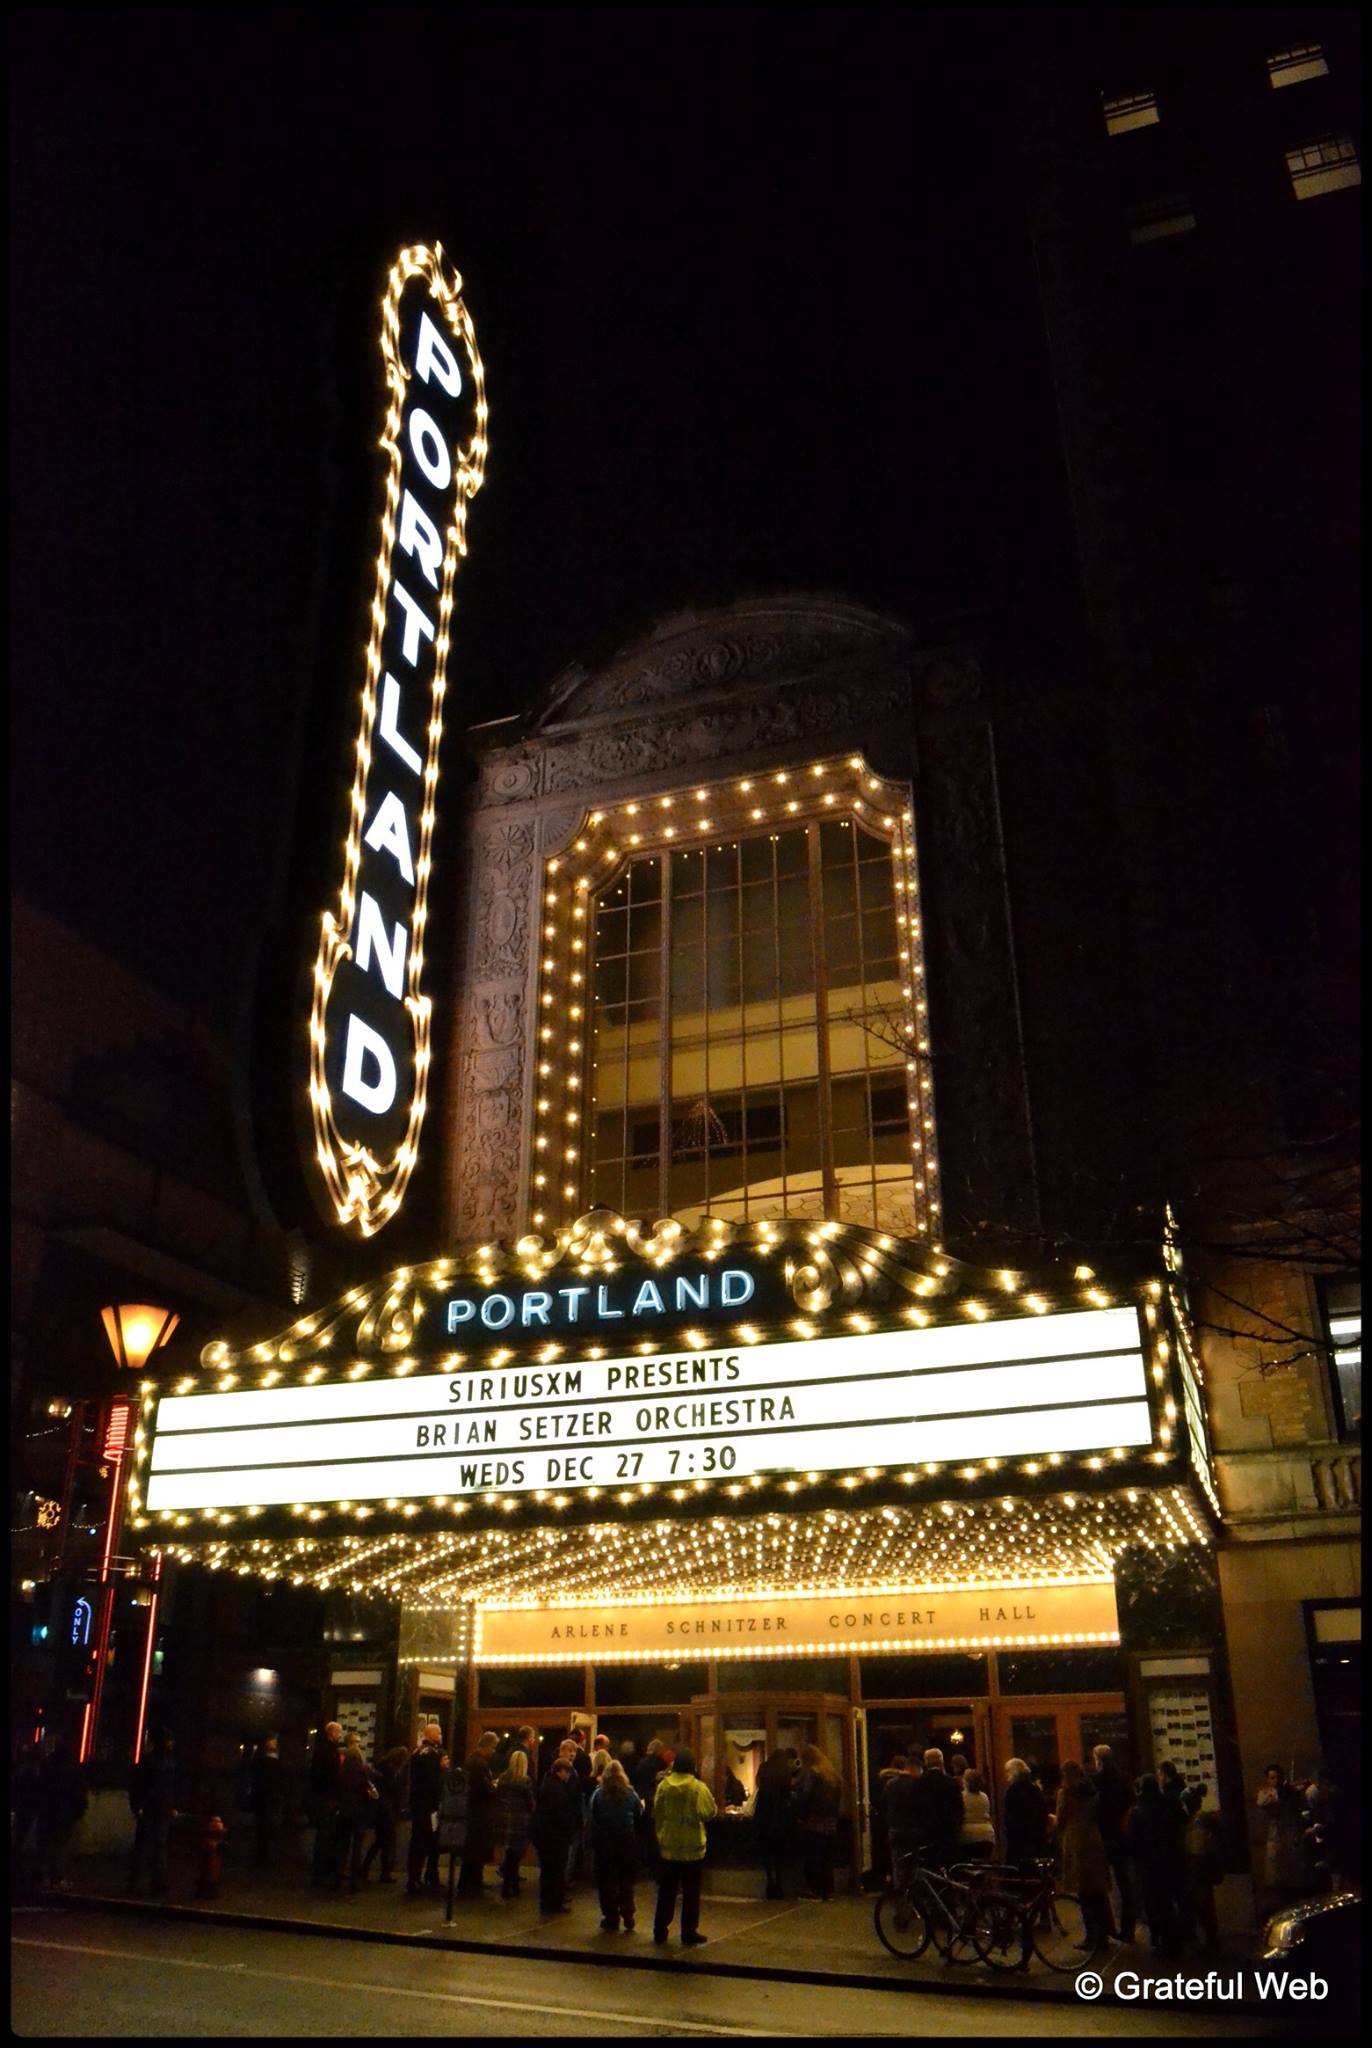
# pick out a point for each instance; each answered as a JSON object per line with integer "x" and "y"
{"x": 369, "y": 1029}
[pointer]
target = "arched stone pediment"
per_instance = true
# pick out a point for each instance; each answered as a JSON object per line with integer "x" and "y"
{"x": 754, "y": 643}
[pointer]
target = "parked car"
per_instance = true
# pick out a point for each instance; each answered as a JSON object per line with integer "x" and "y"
{"x": 1322, "y": 1935}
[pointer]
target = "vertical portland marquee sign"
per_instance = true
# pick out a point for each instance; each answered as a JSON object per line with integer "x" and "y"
{"x": 369, "y": 1015}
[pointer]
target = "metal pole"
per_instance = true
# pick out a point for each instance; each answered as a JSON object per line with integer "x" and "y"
{"x": 116, "y": 1439}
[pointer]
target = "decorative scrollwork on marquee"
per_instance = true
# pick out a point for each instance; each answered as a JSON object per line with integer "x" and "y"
{"x": 828, "y": 1270}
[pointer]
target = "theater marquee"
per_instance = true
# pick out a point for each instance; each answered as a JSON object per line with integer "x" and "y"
{"x": 729, "y": 1410}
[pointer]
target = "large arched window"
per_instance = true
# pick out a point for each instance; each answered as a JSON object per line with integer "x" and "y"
{"x": 749, "y": 1038}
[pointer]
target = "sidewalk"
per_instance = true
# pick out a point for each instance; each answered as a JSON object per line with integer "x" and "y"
{"x": 748, "y": 1936}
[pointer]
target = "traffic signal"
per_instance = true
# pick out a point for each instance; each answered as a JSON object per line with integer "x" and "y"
{"x": 40, "y": 1621}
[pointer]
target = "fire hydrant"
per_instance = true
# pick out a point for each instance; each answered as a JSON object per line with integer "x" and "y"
{"x": 208, "y": 1873}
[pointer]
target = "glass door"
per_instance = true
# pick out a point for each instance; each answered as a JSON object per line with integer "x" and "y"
{"x": 1047, "y": 1731}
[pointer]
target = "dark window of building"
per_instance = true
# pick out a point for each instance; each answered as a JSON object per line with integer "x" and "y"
{"x": 1291, "y": 67}
{"x": 1334, "y": 1635}
{"x": 1326, "y": 165}
{"x": 1342, "y": 1304}
{"x": 1129, "y": 110}
{"x": 783, "y": 1674}
{"x": 1024, "y": 1671}
{"x": 648, "y": 1685}
{"x": 555, "y": 1685}
{"x": 923, "y": 1678}
{"x": 1154, "y": 219}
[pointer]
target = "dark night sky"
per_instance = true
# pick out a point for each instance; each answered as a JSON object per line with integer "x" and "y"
{"x": 756, "y": 311}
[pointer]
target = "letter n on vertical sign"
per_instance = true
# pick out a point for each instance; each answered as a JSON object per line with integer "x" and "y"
{"x": 369, "y": 1029}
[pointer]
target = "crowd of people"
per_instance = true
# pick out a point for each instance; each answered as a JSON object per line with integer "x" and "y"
{"x": 1145, "y": 1852}
{"x": 588, "y": 1815}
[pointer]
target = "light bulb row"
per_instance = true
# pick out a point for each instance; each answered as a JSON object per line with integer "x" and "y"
{"x": 1057, "y": 1540}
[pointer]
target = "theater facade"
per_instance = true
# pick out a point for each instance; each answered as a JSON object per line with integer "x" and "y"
{"x": 692, "y": 1424}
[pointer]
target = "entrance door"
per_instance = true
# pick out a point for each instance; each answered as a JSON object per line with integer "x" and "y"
{"x": 1047, "y": 1731}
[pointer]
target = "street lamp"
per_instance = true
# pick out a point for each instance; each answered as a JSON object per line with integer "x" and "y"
{"x": 135, "y": 1330}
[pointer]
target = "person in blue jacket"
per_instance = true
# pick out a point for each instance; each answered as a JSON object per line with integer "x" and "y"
{"x": 615, "y": 1811}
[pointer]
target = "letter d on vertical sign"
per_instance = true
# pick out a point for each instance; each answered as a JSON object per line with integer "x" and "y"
{"x": 369, "y": 1017}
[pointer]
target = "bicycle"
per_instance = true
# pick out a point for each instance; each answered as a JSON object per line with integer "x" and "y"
{"x": 1020, "y": 1913}
{"x": 921, "y": 1905}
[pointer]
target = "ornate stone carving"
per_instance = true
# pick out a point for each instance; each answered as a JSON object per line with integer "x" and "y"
{"x": 511, "y": 777}
{"x": 719, "y": 733}
{"x": 490, "y": 1114}
{"x": 506, "y": 879}
{"x": 704, "y": 658}
{"x": 559, "y": 828}
{"x": 499, "y": 1017}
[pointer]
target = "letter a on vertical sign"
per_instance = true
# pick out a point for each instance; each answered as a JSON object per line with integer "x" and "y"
{"x": 369, "y": 1016}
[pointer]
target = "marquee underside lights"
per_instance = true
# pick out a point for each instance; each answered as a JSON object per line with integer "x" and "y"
{"x": 638, "y": 1369}
{"x": 369, "y": 1028}
{"x": 998, "y": 1542}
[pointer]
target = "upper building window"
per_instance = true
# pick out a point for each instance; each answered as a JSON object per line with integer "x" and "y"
{"x": 1342, "y": 1302}
{"x": 1133, "y": 109}
{"x": 732, "y": 1011}
{"x": 1324, "y": 166}
{"x": 1290, "y": 67}
{"x": 747, "y": 1056}
{"x": 1169, "y": 214}
{"x": 1130, "y": 110}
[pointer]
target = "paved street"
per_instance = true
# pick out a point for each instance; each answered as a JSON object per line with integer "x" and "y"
{"x": 98, "y": 1976}
{"x": 792, "y": 1937}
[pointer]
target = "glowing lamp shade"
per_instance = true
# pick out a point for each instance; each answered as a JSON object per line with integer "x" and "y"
{"x": 135, "y": 1331}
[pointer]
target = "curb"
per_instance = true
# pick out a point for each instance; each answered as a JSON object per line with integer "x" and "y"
{"x": 271, "y": 1923}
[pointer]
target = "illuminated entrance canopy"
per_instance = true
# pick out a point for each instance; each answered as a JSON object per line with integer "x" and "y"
{"x": 369, "y": 1016}
{"x": 642, "y": 1365}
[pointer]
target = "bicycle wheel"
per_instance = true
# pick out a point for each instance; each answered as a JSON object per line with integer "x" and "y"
{"x": 901, "y": 1925}
{"x": 952, "y": 1924}
{"x": 999, "y": 1934}
{"x": 961, "y": 1940}
{"x": 1058, "y": 1933}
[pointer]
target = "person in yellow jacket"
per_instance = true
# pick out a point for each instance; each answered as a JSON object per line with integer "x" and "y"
{"x": 681, "y": 1807}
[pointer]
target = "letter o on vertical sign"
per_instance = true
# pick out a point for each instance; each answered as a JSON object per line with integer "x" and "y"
{"x": 369, "y": 1018}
